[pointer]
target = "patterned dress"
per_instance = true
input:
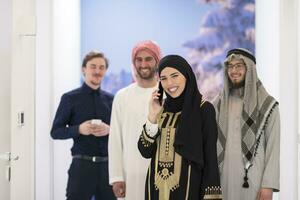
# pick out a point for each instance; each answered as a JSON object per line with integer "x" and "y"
{"x": 171, "y": 176}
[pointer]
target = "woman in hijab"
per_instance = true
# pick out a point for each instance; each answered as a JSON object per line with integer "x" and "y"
{"x": 180, "y": 138}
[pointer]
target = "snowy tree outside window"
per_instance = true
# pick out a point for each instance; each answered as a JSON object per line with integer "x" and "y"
{"x": 231, "y": 25}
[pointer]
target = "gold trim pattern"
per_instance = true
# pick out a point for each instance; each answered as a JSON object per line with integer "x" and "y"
{"x": 146, "y": 140}
{"x": 202, "y": 102}
{"x": 188, "y": 183}
{"x": 167, "y": 161}
{"x": 149, "y": 177}
{"x": 147, "y": 137}
{"x": 213, "y": 192}
{"x": 213, "y": 196}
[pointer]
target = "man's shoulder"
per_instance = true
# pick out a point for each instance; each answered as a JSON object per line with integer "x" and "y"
{"x": 107, "y": 94}
{"x": 73, "y": 92}
{"x": 126, "y": 90}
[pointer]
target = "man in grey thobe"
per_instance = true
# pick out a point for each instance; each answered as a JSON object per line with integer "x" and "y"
{"x": 249, "y": 132}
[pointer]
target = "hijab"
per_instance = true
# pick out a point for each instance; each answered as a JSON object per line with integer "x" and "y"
{"x": 188, "y": 138}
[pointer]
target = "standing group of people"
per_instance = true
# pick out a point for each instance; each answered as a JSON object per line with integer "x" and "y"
{"x": 159, "y": 139}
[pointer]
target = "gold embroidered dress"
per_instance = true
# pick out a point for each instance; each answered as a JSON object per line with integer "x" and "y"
{"x": 171, "y": 176}
{"x": 182, "y": 146}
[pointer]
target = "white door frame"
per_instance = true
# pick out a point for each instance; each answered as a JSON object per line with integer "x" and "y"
{"x": 5, "y": 87}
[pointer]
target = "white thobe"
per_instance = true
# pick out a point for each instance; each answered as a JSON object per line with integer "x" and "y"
{"x": 129, "y": 113}
{"x": 265, "y": 170}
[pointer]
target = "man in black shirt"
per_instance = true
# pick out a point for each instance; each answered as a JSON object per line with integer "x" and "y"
{"x": 84, "y": 115}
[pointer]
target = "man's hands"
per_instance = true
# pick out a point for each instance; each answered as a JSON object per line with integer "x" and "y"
{"x": 119, "y": 189}
{"x": 86, "y": 128}
{"x": 265, "y": 194}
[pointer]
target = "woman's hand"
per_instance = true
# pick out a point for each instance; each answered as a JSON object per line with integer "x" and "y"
{"x": 154, "y": 107}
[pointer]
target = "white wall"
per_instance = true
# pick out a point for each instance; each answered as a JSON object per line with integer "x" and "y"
{"x": 267, "y": 44}
{"x": 44, "y": 79}
{"x": 298, "y": 65}
{"x": 5, "y": 63}
{"x": 276, "y": 47}
{"x": 66, "y": 76}
{"x": 288, "y": 98}
{"x": 58, "y": 71}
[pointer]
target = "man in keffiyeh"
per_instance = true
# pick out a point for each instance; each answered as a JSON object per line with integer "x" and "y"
{"x": 249, "y": 132}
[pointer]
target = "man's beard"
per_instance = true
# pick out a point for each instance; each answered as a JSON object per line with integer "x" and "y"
{"x": 146, "y": 76}
{"x": 237, "y": 85}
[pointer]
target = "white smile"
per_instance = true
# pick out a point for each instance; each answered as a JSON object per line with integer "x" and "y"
{"x": 235, "y": 76}
{"x": 144, "y": 70}
{"x": 173, "y": 89}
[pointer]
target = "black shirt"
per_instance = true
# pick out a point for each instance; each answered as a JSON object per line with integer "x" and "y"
{"x": 78, "y": 106}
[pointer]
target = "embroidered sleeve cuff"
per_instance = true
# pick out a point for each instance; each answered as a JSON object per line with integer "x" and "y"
{"x": 146, "y": 140}
{"x": 151, "y": 129}
{"x": 213, "y": 192}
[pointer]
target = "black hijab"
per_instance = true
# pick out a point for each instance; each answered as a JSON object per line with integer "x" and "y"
{"x": 188, "y": 138}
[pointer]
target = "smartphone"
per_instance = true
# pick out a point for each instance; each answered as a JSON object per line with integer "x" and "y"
{"x": 96, "y": 121}
{"x": 161, "y": 92}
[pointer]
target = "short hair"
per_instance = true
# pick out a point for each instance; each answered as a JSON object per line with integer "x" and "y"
{"x": 94, "y": 54}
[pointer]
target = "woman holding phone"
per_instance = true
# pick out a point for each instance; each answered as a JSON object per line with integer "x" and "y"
{"x": 180, "y": 138}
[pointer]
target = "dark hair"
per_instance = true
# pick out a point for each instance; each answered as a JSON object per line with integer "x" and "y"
{"x": 94, "y": 54}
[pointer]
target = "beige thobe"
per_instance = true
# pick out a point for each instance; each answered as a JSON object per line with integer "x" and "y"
{"x": 265, "y": 169}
